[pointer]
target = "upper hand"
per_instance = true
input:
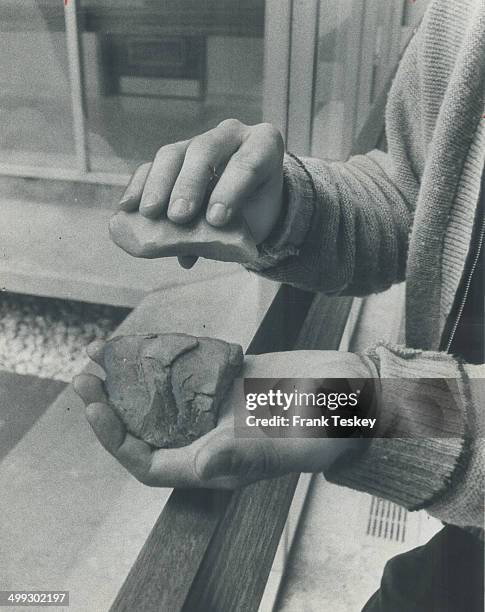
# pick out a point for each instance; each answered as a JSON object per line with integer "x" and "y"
{"x": 180, "y": 182}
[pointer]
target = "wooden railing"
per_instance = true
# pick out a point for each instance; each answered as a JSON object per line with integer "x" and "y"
{"x": 213, "y": 550}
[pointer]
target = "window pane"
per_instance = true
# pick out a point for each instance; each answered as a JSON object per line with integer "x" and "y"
{"x": 336, "y": 59}
{"x": 35, "y": 102}
{"x": 358, "y": 50}
{"x": 158, "y": 72}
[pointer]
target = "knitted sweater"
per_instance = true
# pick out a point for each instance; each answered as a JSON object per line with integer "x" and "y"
{"x": 357, "y": 227}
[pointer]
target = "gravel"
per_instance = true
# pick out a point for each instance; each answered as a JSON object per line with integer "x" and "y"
{"x": 47, "y": 337}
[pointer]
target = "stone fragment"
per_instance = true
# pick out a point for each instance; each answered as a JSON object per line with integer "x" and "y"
{"x": 151, "y": 238}
{"x": 168, "y": 388}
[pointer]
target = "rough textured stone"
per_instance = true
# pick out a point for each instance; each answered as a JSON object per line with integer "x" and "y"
{"x": 151, "y": 238}
{"x": 167, "y": 388}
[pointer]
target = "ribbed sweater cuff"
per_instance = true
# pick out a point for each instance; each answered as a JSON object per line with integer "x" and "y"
{"x": 290, "y": 233}
{"x": 465, "y": 504}
{"x": 421, "y": 447}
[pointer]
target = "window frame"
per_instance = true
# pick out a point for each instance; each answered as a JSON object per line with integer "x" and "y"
{"x": 290, "y": 53}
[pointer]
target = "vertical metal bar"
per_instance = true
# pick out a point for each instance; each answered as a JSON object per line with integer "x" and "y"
{"x": 276, "y": 91}
{"x": 276, "y": 84}
{"x": 367, "y": 62}
{"x": 371, "y": 513}
{"x": 76, "y": 80}
{"x": 396, "y": 37}
{"x": 353, "y": 42}
{"x": 277, "y": 51}
{"x": 387, "y": 33}
{"x": 304, "y": 44}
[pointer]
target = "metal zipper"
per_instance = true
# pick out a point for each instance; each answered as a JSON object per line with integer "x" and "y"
{"x": 476, "y": 259}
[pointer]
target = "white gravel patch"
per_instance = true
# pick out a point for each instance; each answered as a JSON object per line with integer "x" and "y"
{"x": 47, "y": 337}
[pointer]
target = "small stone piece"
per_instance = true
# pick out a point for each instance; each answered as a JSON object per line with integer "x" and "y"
{"x": 151, "y": 238}
{"x": 167, "y": 388}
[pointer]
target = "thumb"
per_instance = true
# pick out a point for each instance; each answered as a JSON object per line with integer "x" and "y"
{"x": 245, "y": 460}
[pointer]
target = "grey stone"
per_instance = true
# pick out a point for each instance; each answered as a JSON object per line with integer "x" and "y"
{"x": 168, "y": 388}
{"x": 151, "y": 238}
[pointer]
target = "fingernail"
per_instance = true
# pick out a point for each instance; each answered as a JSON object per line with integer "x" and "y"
{"x": 125, "y": 201}
{"x": 179, "y": 208}
{"x": 218, "y": 214}
{"x": 95, "y": 352}
{"x": 148, "y": 209}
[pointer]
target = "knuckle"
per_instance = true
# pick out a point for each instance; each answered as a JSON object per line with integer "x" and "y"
{"x": 231, "y": 124}
{"x": 169, "y": 150}
{"x": 200, "y": 148}
{"x": 269, "y": 128}
{"x": 143, "y": 167}
{"x": 187, "y": 185}
{"x": 249, "y": 164}
{"x": 274, "y": 135}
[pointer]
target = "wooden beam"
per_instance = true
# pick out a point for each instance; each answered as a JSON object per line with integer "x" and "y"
{"x": 236, "y": 567}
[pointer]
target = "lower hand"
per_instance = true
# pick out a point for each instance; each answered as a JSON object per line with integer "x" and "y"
{"x": 219, "y": 459}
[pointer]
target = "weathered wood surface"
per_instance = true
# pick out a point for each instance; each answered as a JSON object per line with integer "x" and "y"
{"x": 235, "y": 569}
{"x": 213, "y": 550}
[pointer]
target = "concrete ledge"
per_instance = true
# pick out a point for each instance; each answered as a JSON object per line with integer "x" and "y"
{"x": 65, "y": 251}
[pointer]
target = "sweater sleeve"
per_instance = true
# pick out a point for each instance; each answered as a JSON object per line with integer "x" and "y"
{"x": 345, "y": 230}
{"x": 346, "y": 224}
{"x": 428, "y": 451}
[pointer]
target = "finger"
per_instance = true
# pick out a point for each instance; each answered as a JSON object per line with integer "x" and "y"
{"x": 134, "y": 454}
{"x": 95, "y": 352}
{"x": 243, "y": 460}
{"x": 109, "y": 430}
{"x": 89, "y": 388}
{"x": 133, "y": 192}
{"x": 161, "y": 179}
{"x": 219, "y": 462}
{"x": 173, "y": 467}
{"x": 204, "y": 154}
{"x": 187, "y": 261}
{"x": 257, "y": 159}
{"x": 153, "y": 467}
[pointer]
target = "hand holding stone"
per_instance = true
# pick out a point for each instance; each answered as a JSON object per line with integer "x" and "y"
{"x": 151, "y": 238}
{"x": 167, "y": 388}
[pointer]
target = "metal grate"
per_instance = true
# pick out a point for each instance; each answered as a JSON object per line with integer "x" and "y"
{"x": 386, "y": 520}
